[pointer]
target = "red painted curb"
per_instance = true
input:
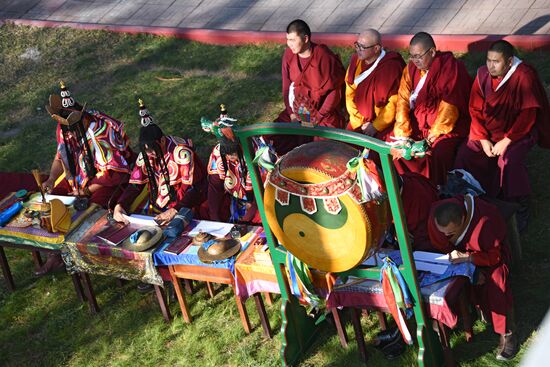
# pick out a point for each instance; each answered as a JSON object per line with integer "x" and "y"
{"x": 451, "y": 42}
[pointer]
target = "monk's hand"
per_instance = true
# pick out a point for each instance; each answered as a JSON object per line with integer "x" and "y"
{"x": 119, "y": 214}
{"x": 456, "y": 257}
{"x": 166, "y": 216}
{"x": 500, "y": 147}
{"x": 48, "y": 185}
{"x": 368, "y": 129}
{"x": 293, "y": 117}
{"x": 431, "y": 139}
{"x": 487, "y": 147}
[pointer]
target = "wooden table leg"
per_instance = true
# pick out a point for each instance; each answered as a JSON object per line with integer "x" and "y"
{"x": 242, "y": 312}
{"x": 264, "y": 320}
{"x": 89, "y": 292}
{"x": 358, "y": 330}
{"x": 37, "y": 259}
{"x": 188, "y": 284}
{"x": 382, "y": 320}
{"x": 443, "y": 331}
{"x": 6, "y": 270}
{"x": 340, "y": 328}
{"x": 210, "y": 289}
{"x": 161, "y": 297}
{"x": 78, "y": 287}
{"x": 268, "y": 298}
{"x": 181, "y": 299}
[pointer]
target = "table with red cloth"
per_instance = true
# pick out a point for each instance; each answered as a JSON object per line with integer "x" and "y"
{"x": 83, "y": 252}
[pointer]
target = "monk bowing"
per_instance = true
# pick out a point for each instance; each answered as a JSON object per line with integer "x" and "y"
{"x": 510, "y": 112}
{"x": 470, "y": 229}
{"x": 372, "y": 82}
{"x": 432, "y": 104}
{"x": 313, "y": 77}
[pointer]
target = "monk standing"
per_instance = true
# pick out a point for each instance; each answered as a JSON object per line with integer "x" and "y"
{"x": 510, "y": 111}
{"x": 372, "y": 82}
{"x": 313, "y": 77}
{"x": 470, "y": 229}
{"x": 432, "y": 104}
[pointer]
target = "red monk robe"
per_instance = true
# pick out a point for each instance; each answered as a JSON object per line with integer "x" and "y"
{"x": 187, "y": 177}
{"x": 418, "y": 194}
{"x": 318, "y": 82}
{"x": 440, "y": 110}
{"x": 483, "y": 240}
{"x": 514, "y": 110}
{"x": 374, "y": 98}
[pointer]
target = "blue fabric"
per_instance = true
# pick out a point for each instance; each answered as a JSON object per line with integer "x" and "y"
{"x": 178, "y": 223}
{"x": 425, "y": 278}
{"x": 407, "y": 297}
{"x": 188, "y": 257}
{"x": 9, "y": 213}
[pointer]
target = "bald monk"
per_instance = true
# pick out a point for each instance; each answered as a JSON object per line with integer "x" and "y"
{"x": 313, "y": 77}
{"x": 372, "y": 82}
{"x": 432, "y": 104}
{"x": 470, "y": 229}
{"x": 509, "y": 107}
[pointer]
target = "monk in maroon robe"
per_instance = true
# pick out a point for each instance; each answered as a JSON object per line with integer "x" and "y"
{"x": 313, "y": 77}
{"x": 417, "y": 195}
{"x": 372, "y": 82}
{"x": 510, "y": 111}
{"x": 470, "y": 229}
{"x": 433, "y": 105}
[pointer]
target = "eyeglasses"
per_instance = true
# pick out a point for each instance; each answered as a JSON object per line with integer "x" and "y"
{"x": 360, "y": 47}
{"x": 418, "y": 57}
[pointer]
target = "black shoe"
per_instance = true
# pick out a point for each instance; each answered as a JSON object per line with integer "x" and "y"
{"x": 54, "y": 263}
{"x": 385, "y": 337}
{"x": 145, "y": 288}
{"x": 394, "y": 349}
{"x": 508, "y": 347}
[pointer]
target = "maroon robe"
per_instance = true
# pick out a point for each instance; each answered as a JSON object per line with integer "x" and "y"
{"x": 484, "y": 240}
{"x": 318, "y": 81}
{"x": 418, "y": 194}
{"x": 448, "y": 81}
{"x": 377, "y": 88}
{"x": 519, "y": 110}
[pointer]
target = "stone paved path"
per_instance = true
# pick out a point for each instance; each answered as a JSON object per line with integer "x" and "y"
{"x": 491, "y": 17}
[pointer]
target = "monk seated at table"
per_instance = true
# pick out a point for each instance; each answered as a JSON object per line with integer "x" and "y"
{"x": 470, "y": 229}
{"x": 230, "y": 195}
{"x": 432, "y": 104}
{"x": 313, "y": 77}
{"x": 510, "y": 113}
{"x": 168, "y": 175}
{"x": 93, "y": 157}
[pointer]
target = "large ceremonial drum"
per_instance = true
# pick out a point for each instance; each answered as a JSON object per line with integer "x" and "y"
{"x": 315, "y": 207}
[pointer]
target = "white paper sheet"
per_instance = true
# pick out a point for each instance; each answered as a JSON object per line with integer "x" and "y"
{"x": 65, "y": 199}
{"x": 217, "y": 229}
{"x": 140, "y": 220}
{"x": 433, "y": 257}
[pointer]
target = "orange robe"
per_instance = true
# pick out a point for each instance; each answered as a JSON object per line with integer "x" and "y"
{"x": 373, "y": 99}
{"x": 441, "y": 110}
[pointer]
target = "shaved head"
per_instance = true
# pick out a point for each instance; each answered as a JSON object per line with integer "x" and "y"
{"x": 370, "y": 36}
{"x": 423, "y": 39}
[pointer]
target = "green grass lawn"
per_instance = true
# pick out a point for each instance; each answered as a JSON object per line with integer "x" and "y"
{"x": 43, "y": 324}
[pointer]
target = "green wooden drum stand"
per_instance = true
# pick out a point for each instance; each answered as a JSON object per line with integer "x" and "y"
{"x": 298, "y": 330}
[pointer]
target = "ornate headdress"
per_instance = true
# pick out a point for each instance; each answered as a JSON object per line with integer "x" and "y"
{"x": 146, "y": 118}
{"x": 64, "y": 105}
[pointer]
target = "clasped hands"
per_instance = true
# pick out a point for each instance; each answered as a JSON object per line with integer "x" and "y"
{"x": 497, "y": 149}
